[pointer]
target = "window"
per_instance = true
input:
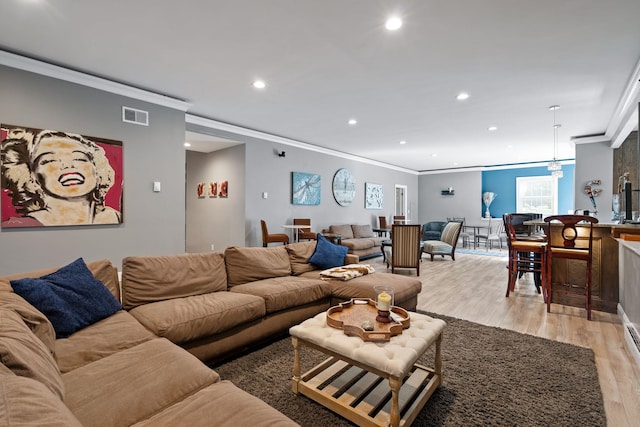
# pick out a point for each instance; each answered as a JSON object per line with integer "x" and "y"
{"x": 537, "y": 194}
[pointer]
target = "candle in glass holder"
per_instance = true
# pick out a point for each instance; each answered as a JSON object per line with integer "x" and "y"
{"x": 384, "y": 301}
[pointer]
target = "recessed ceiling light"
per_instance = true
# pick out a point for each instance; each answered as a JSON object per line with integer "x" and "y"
{"x": 353, "y": 122}
{"x": 462, "y": 96}
{"x": 259, "y": 84}
{"x": 393, "y": 23}
{"x": 186, "y": 144}
{"x": 492, "y": 128}
{"x": 434, "y": 155}
{"x": 403, "y": 142}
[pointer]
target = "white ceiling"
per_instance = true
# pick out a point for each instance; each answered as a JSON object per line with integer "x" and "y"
{"x": 328, "y": 61}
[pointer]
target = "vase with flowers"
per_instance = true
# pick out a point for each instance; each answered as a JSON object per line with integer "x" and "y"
{"x": 487, "y": 199}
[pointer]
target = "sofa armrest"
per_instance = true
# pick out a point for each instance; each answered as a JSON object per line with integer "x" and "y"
{"x": 351, "y": 259}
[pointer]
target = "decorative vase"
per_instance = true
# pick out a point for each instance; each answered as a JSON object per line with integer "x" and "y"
{"x": 487, "y": 199}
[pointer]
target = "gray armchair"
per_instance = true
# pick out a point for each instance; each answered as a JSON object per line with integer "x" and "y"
{"x": 447, "y": 243}
{"x": 433, "y": 230}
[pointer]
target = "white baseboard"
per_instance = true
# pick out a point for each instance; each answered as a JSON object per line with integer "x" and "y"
{"x": 631, "y": 335}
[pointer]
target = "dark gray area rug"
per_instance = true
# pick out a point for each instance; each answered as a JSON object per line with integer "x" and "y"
{"x": 492, "y": 376}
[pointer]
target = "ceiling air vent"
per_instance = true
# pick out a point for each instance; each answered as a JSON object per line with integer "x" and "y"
{"x": 138, "y": 117}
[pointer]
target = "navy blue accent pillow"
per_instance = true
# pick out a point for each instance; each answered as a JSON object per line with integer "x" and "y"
{"x": 327, "y": 255}
{"x": 71, "y": 298}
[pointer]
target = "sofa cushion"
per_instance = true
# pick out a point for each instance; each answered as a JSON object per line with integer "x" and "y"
{"x": 134, "y": 384}
{"x": 24, "y": 353}
{"x": 157, "y": 278}
{"x": 281, "y": 293}
{"x": 358, "y": 244}
{"x": 102, "y": 270}
{"x": 360, "y": 231}
{"x": 32, "y": 317}
{"x": 405, "y": 287}
{"x": 327, "y": 255}
{"x": 250, "y": 264}
{"x": 27, "y": 402}
{"x": 70, "y": 297}
{"x": 232, "y": 407}
{"x": 437, "y": 247}
{"x": 185, "y": 319}
{"x": 299, "y": 254}
{"x": 105, "y": 337}
{"x": 344, "y": 230}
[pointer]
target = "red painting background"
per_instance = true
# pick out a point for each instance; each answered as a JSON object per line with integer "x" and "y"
{"x": 113, "y": 198}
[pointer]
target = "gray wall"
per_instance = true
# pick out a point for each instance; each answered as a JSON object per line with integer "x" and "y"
{"x": 433, "y": 206}
{"x": 154, "y": 223}
{"x": 210, "y": 220}
{"x": 594, "y": 161}
{"x": 266, "y": 172}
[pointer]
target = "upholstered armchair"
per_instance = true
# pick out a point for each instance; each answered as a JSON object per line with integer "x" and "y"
{"x": 432, "y": 230}
{"x": 406, "y": 248}
{"x": 447, "y": 243}
{"x": 272, "y": 238}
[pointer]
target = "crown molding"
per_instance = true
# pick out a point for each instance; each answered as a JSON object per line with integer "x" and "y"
{"x": 625, "y": 118}
{"x": 43, "y": 68}
{"x": 240, "y": 131}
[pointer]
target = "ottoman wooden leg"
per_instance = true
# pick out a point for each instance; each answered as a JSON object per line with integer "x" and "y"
{"x": 394, "y": 415}
{"x": 296, "y": 365}
{"x": 438, "y": 360}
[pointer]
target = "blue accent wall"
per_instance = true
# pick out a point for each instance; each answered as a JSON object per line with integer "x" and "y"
{"x": 503, "y": 183}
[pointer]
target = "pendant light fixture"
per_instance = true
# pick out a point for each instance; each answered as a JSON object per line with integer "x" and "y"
{"x": 554, "y": 166}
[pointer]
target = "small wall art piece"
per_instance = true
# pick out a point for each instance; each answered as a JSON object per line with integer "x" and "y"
{"x": 224, "y": 189}
{"x": 374, "y": 196}
{"x": 200, "y": 189}
{"x": 56, "y": 178}
{"x": 213, "y": 189}
{"x": 305, "y": 188}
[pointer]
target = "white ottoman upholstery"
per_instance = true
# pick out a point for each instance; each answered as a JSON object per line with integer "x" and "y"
{"x": 394, "y": 358}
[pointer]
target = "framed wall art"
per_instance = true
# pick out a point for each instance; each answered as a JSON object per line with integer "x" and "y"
{"x": 213, "y": 189}
{"x": 56, "y": 178}
{"x": 223, "y": 189}
{"x": 306, "y": 188}
{"x": 200, "y": 189}
{"x": 374, "y": 196}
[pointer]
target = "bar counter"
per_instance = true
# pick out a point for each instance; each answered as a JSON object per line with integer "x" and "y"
{"x": 604, "y": 270}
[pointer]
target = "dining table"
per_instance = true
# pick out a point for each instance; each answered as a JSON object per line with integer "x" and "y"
{"x": 296, "y": 229}
{"x": 476, "y": 231}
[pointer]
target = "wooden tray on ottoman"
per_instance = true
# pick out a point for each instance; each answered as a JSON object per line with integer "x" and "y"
{"x": 349, "y": 316}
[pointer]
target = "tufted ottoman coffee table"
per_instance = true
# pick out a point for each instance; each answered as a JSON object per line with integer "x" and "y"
{"x": 351, "y": 382}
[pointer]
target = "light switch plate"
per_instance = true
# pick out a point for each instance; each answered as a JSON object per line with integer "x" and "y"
{"x": 157, "y": 187}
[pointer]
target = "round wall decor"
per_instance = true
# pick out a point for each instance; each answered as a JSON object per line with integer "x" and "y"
{"x": 344, "y": 187}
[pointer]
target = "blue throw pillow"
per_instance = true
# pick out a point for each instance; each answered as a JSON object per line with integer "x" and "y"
{"x": 327, "y": 255}
{"x": 71, "y": 298}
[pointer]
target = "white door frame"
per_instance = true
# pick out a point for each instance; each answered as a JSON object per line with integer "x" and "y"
{"x": 400, "y": 200}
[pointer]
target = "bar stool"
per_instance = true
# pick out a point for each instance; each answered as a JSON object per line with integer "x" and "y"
{"x": 525, "y": 256}
{"x": 572, "y": 245}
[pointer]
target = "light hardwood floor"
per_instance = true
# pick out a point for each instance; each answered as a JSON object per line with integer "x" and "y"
{"x": 473, "y": 288}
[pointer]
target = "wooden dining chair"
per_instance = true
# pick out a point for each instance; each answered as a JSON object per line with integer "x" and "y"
{"x": 573, "y": 242}
{"x": 382, "y": 220}
{"x": 304, "y": 233}
{"x": 525, "y": 256}
{"x": 399, "y": 219}
{"x": 272, "y": 238}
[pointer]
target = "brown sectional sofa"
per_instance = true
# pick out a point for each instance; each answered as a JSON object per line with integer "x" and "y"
{"x": 114, "y": 372}
{"x": 225, "y": 303}
{"x": 360, "y": 239}
{"x": 126, "y": 369}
